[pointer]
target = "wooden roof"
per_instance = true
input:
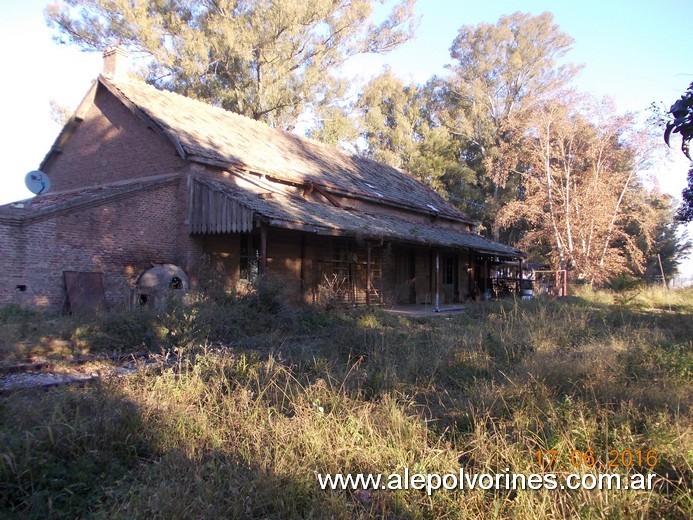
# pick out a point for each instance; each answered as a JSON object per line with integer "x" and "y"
{"x": 212, "y": 135}
{"x": 53, "y": 203}
{"x": 293, "y": 212}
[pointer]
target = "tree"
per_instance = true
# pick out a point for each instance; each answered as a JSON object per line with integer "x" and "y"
{"x": 682, "y": 123}
{"x": 581, "y": 189}
{"x": 656, "y": 233}
{"x": 503, "y": 72}
{"x": 267, "y": 59}
{"x": 398, "y": 126}
{"x": 392, "y": 115}
{"x": 685, "y": 211}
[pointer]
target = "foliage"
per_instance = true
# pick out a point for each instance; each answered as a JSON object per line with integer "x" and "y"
{"x": 16, "y": 313}
{"x": 541, "y": 166}
{"x": 267, "y": 59}
{"x": 682, "y": 123}
{"x": 581, "y": 192}
{"x": 656, "y": 234}
{"x": 685, "y": 211}
{"x": 392, "y": 116}
{"x": 399, "y": 127}
{"x": 334, "y": 126}
{"x": 241, "y": 432}
{"x": 30, "y": 336}
{"x": 501, "y": 74}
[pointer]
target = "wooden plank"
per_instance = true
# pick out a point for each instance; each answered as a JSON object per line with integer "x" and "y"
{"x": 218, "y": 202}
{"x": 234, "y": 215}
{"x": 263, "y": 250}
{"x": 225, "y": 215}
{"x": 196, "y": 208}
{"x": 214, "y": 211}
{"x": 210, "y": 195}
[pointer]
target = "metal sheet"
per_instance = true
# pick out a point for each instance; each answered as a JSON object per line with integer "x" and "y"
{"x": 84, "y": 292}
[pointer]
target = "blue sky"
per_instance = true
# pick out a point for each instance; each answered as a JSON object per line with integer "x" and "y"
{"x": 636, "y": 51}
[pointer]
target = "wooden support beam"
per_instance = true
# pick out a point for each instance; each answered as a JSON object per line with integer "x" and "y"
{"x": 263, "y": 249}
{"x": 368, "y": 273}
{"x": 437, "y": 309}
{"x": 486, "y": 275}
{"x": 303, "y": 265}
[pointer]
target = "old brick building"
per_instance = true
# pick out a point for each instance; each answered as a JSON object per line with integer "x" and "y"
{"x": 142, "y": 176}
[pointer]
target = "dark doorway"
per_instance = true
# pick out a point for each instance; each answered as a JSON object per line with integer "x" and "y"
{"x": 406, "y": 276}
{"x": 449, "y": 278}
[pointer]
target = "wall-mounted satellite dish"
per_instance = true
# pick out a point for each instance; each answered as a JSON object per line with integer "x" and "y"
{"x": 37, "y": 182}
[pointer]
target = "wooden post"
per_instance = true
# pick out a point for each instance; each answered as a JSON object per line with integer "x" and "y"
{"x": 486, "y": 277}
{"x": 519, "y": 276}
{"x": 368, "y": 273}
{"x": 263, "y": 249}
{"x": 437, "y": 309}
{"x": 302, "y": 273}
{"x": 661, "y": 269}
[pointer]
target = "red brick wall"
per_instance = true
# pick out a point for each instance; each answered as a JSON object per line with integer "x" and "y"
{"x": 120, "y": 239}
{"x": 11, "y": 263}
{"x": 111, "y": 144}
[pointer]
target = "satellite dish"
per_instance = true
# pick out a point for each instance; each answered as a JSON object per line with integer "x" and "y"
{"x": 37, "y": 182}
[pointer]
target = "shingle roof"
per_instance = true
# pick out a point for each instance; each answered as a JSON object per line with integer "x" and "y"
{"x": 285, "y": 211}
{"x": 46, "y": 205}
{"x": 209, "y": 134}
{"x": 206, "y": 132}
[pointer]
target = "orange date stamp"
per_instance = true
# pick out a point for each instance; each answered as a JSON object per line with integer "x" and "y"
{"x": 614, "y": 458}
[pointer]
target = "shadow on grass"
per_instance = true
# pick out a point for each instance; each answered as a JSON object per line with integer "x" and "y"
{"x": 239, "y": 432}
{"x": 95, "y": 452}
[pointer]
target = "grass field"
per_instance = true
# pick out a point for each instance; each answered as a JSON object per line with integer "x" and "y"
{"x": 258, "y": 398}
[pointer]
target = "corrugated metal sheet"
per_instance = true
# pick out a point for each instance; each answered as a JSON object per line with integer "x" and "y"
{"x": 214, "y": 211}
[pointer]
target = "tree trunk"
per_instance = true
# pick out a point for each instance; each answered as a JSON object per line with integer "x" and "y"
{"x": 552, "y": 215}
{"x": 614, "y": 217}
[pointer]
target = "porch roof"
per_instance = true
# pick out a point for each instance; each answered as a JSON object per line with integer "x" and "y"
{"x": 291, "y": 212}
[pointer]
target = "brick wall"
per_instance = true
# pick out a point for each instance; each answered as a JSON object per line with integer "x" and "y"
{"x": 109, "y": 145}
{"x": 120, "y": 239}
{"x": 11, "y": 264}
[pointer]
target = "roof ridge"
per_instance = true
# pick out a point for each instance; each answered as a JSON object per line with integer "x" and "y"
{"x": 257, "y": 123}
{"x": 210, "y": 134}
{"x": 188, "y": 99}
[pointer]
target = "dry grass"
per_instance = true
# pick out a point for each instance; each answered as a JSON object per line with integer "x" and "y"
{"x": 241, "y": 432}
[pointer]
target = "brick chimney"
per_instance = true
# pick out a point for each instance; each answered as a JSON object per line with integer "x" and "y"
{"x": 116, "y": 62}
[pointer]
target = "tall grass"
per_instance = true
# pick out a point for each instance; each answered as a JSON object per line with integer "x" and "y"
{"x": 242, "y": 431}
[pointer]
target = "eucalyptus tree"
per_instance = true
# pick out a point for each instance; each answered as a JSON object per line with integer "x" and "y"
{"x": 500, "y": 74}
{"x": 399, "y": 126}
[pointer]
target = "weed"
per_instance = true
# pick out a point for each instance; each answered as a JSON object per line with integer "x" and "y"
{"x": 242, "y": 431}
